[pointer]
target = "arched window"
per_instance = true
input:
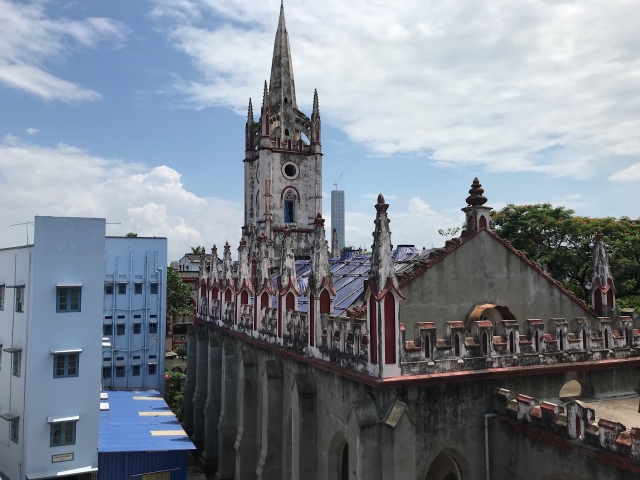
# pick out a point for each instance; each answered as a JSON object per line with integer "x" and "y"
{"x": 485, "y": 343}
{"x": 536, "y": 338}
{"x": 483, "y": 222}
{"x": 344, "y": 463}
{"x": 244, "y": 298}
{"x": 561, "y": 341}
{"x": 390, "y": 329}
{"x": 325, "y": 302}
{"x": 427, "y": 347}
{"x": 606, "y": 337}
{"x": 227, "y": 296}
{"x": 584, "y": 339}
{"x": 456, "y": 349}
{"x": 578, "y": 426}
{"x": 289, "y": 206}
{"x": 286, "y": 131}
{"x": 512, "y": 342}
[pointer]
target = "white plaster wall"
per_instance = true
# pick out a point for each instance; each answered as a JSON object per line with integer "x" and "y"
{"x": 66, "y": 251}
{"x": 14, "y": 270}
{"x": 136, "y": 260}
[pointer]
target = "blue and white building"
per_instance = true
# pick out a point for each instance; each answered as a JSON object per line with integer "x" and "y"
{"x": 51, "y": 296}
{"x": 134, "y": 313}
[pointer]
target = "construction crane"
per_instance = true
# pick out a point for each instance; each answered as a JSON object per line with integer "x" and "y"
{"x": 335, "y": 184}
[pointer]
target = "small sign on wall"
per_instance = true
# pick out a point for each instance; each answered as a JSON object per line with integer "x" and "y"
{"x": 62, "y": 457}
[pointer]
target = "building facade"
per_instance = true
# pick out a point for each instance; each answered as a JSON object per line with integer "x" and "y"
{"x": 337, "y": 216}
{"x": 134, "y": 313}
{"x": 52, "y": 293}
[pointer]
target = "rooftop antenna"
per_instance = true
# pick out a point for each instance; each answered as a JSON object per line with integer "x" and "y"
{"x": 335, "y": 184}
{"x": 26, "y": 224}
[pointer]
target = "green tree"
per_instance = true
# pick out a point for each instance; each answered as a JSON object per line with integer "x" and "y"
{"x": 131, "y": 235}
{"x": 196, "y": 250}
{"x": 449, "y": 232}
{"x": 178, "y": 295}
{"x": 181, "y": 351}
{"x": 174, "y": 392}
{"x": 557, "y": 238}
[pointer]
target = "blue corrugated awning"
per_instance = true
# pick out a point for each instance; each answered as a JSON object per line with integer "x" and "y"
{"x": 140, "y": 421}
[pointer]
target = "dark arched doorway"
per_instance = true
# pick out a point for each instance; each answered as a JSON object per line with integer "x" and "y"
{"x": 443, "y": 467}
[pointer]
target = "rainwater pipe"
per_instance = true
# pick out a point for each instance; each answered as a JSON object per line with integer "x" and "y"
{"x": 486, "y": 443}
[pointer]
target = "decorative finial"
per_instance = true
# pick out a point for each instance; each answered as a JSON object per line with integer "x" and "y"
{"x": 381, "y": 207}
{"x": 243, "y": 242}
{"x": 476, "y": 199}
{"x": 599, "y": 236}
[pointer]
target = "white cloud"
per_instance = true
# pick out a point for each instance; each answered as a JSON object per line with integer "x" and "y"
{"x": 630, "y": 174}
{"x": 30, "y": 39}
{"x": 414, "y": 224}
{"x": 32, "y": 131}
{"x": 548, "y": 87}
{"x": 72, "y": 182}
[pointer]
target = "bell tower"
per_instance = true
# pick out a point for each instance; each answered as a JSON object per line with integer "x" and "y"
{"x": 283, "y": 160}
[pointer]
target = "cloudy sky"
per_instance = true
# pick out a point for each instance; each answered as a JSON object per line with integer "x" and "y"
{"x": 135, "y": 111}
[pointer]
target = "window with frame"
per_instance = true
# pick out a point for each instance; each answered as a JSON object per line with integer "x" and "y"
{"x": 1, "y": 297}
{"x": 137, "y": 328}
{"x": 63, "y": 433}
{"x": 65, "y": 365}
{"x": 138, "y": 289}
{"x": 69, "y": 299}
{"x": 119, "y": 372}
{"x": 108, "y": 288}
{"x": 19, "y": 299}
{"x": 152, "y": 369}
{"x": 154, "y": 288}
{"x": 289, "y": 207}
{"x": 16, "y": 361}
{"x": 135, "y": 371}
{"x": 106, "y": 372}
{"x": 122, "y": 288}
{"x": 107, "y": 330}
{"x": 15, "y": 429}
{"x": 120, "y": 329}
{"x": 153, "y": 328}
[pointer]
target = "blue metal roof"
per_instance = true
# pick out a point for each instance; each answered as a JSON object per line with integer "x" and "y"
{"x": 349, "y": 274}
{"x": 123, "y": 429}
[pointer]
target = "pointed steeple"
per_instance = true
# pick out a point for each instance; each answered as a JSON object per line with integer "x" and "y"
{"x": 287, "y": 263}
{"x": 316, "y": 125}
{"x": 214, "y": 276}
{"x": 250, "y": 112}
{"x": 203, "y": 264}
{"x": 602, "y": 287}
{"x": 281, "y": 85}
{"x": 227, "y": 274}
{"x": 320, "y": 268}
{"x": 244, "y": 271}
{"x": 382, "y": 272}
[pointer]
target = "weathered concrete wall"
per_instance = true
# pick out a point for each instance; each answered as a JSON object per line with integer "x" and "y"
{"x": 482, "y": 270}
{"x": 293, "y": 420}
{"x": 515, "y": 455}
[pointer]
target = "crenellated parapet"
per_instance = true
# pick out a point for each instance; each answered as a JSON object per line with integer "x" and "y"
{"x": 574, "y": 420}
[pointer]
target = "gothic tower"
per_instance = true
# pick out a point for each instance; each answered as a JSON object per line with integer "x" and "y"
{"x": 283, "y": 161}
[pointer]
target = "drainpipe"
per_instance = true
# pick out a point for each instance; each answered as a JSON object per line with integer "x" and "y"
{"x": 486, "y": 443}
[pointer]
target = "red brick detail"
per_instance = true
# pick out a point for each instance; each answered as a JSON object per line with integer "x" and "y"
{"x": 410, "y": 346}
{"x": 484, "y": 324}
{"x": 536, "y": 412}
{"x": 390, "y": 339}
{"x": 551, "y": 407}
{"x": 524, "y": 398}
{"x": 373, "y": 329}
{"x": 623, "y": 439}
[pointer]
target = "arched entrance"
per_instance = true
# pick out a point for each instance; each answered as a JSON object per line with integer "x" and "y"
{"x": 444, "y": 467}
{"x": 338, "y": 458}
{"x": 575, "y": 389}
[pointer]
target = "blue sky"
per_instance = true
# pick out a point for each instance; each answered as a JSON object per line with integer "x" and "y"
{"x": 135, "y": 110}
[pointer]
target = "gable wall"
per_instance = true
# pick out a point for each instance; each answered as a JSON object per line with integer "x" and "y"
{"x": 482, "y": 270}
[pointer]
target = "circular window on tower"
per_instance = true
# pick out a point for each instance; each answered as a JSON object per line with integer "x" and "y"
{"x": 290, "y": 170}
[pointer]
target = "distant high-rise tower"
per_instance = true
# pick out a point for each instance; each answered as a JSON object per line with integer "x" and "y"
{"x": 337, "y": 215}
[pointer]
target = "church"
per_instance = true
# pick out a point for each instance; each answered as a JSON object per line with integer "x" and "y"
{"x": 465, "y": 362}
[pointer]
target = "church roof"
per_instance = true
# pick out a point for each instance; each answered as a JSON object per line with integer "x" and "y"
{"x": 349, "y": 272}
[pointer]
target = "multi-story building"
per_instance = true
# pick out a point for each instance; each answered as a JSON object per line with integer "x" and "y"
{"x": 337, "y": 216}
{"x": 134, "y": 313}
{"x": 50, "y": 305}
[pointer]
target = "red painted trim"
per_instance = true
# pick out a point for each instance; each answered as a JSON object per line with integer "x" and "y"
{"x": 312, "y": 320}
{"x": 432, "y": 378}
{"x": 389, "y": 329}
{"x": 279, "y": 317}
{"x": 373, "y": 330}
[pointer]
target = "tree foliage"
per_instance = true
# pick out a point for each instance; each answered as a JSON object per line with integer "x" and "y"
{"x": 196, "y": 250}
{"x": 174, "y": 392}
{"x": 178, "y": 295}
{"x": 131, "y": 235}
{"x": 563, "y": 242}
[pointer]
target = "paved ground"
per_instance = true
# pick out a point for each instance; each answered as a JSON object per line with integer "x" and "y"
{"x": 623, "y": 410}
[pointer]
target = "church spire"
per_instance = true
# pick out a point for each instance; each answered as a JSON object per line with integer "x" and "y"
{"x": 382, "y": 274}
{"x": 282, "y": 92}
{"x": 602, "y": 288}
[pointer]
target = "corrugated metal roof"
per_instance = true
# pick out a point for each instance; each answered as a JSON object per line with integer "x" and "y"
{"x": 123, "y": 429}
{"x": 349, "y": 274}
